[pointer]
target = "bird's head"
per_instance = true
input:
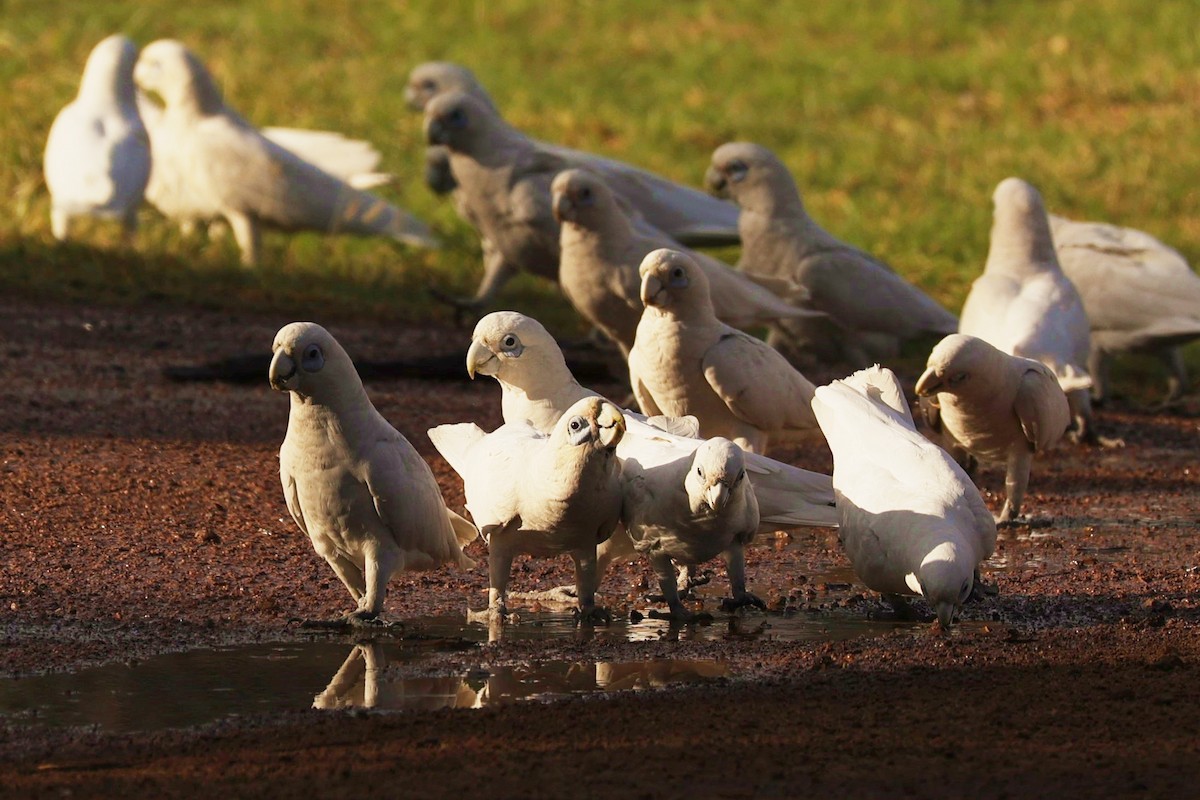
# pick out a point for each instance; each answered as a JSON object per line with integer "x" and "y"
{"x": 1021, "y": 241}
{"x": 432, "y": 78}
{"x": 109, "y": 69}
{"x": 308, "y": 362}
{"x": 673, "y": 282}
{"x": 749, "y": 175}
{"x": 580, "y": 197}
{"x": 944, "y": 579}
{"x": 515, "y": 350}
{"x": 168, "y": 69}
{"x": 717, "y": 476}
{"x": 457, "y": 121}
{"x": 592, "y": 422}
{"x": 959, "y": 365}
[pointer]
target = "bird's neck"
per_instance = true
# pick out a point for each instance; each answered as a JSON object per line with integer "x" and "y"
{"x": 541, "y": 404}
{"x": 343, "y": 416}
{"x": 1022, "y": 247}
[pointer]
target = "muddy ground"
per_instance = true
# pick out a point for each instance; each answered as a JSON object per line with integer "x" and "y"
{"x": 140, "y": 516}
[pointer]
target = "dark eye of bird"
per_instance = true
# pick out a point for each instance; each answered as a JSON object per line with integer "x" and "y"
{"x": 428, "y": 84}
{"x": 510, "y": 341}
{"x": 699, "y": 472}
{"x": 677, "y": 273}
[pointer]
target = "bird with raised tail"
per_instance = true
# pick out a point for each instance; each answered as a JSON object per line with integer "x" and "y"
{"x": 996, "y": 406}
{"x": 686, "y": 362}
{"x": 870, "y": 308}
{"x": 690, "y": 510}
{"x": 912, "y": 521}
{"x": 542, "y": 495}
{"x": 352, "y": 482}
{"x": 1139, "y": 294}
{"x": 601, "y": 248}
{"x": 685, "y": 214}
{"x": 210, "y": 163}
{"x": 97, "y": 159}
{"x": 1024, "y": 305}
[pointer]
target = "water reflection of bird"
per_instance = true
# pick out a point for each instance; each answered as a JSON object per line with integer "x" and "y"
{"x": 361, "y": 682}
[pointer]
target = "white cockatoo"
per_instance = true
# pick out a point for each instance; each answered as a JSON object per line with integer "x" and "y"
{"x": 97, "y": 159}
{"x": 352, "y": 482}
{"x": 210, "y": 163}
{"x": 686, "y": 362}
{"x": 996, "y": 406}
{"x": 690, "y": 510}
{"x": 545, "y": 495}
{"x": 913, "y": 523}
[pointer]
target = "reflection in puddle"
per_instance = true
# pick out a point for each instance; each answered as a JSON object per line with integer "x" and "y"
{"x": 364, "y": 681}
{"x": 179, "y": 690}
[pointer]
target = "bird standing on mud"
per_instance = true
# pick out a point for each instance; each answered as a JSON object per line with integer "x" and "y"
{"x": 352, "y": 482}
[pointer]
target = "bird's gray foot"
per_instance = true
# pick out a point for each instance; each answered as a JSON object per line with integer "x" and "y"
{"x": 592, "y": 615}
{"x": 355, "y": 620}
{"x": 901, "y": 607}
{"x": 732, "y": 604}
{"x": 981, "y": 591}
{"x": 1023, "y": 521}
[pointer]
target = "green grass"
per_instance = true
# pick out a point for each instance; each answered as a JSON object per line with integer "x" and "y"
{"x": 897, "y": 119}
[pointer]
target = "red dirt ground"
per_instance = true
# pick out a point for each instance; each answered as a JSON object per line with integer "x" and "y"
{"x": 139, "y": 516}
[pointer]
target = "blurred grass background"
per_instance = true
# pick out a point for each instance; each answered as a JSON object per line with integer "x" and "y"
{"x": 897, "y": 120}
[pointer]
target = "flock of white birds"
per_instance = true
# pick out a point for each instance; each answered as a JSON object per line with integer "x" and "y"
{"x": 687, "y": 479}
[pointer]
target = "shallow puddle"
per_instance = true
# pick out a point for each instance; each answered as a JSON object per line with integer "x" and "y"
{"x": 179, "y": 690}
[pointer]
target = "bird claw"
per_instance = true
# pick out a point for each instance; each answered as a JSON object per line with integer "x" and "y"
{"x": 1023, "y": 521}
{"x": 593, "y": 615}
{"x": 355, "y": 620}
{"x": 732, "y": 604}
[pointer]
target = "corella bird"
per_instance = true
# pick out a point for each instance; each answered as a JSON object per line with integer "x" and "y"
{"x": 503, "y": 190}
{"x": 1024, "y": 305}
{"x": 873, "y": 308}
{"x": 542, "y": 495}
{"x": 97, "y": 157}
{"x": 600, "y": 252}
{"x": 689, "y": 510}
{"x": 210, "y": 163}
{"x": 996, "y": 406}
{"x": 353, "y": 484}
{"x": 538, "y": 388}
{"x": 912, "y": 521}
{"x": 686, "y": 362}
{"x": 1139, "y": 295}
{"x": 683, "y": 213}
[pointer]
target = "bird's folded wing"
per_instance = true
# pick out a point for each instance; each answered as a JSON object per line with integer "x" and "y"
{"x": 292, "y": 498}
{"x": 1041, "y": 407}
{"x": 757, "y": 383}
{"x": 407, "y": 499}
